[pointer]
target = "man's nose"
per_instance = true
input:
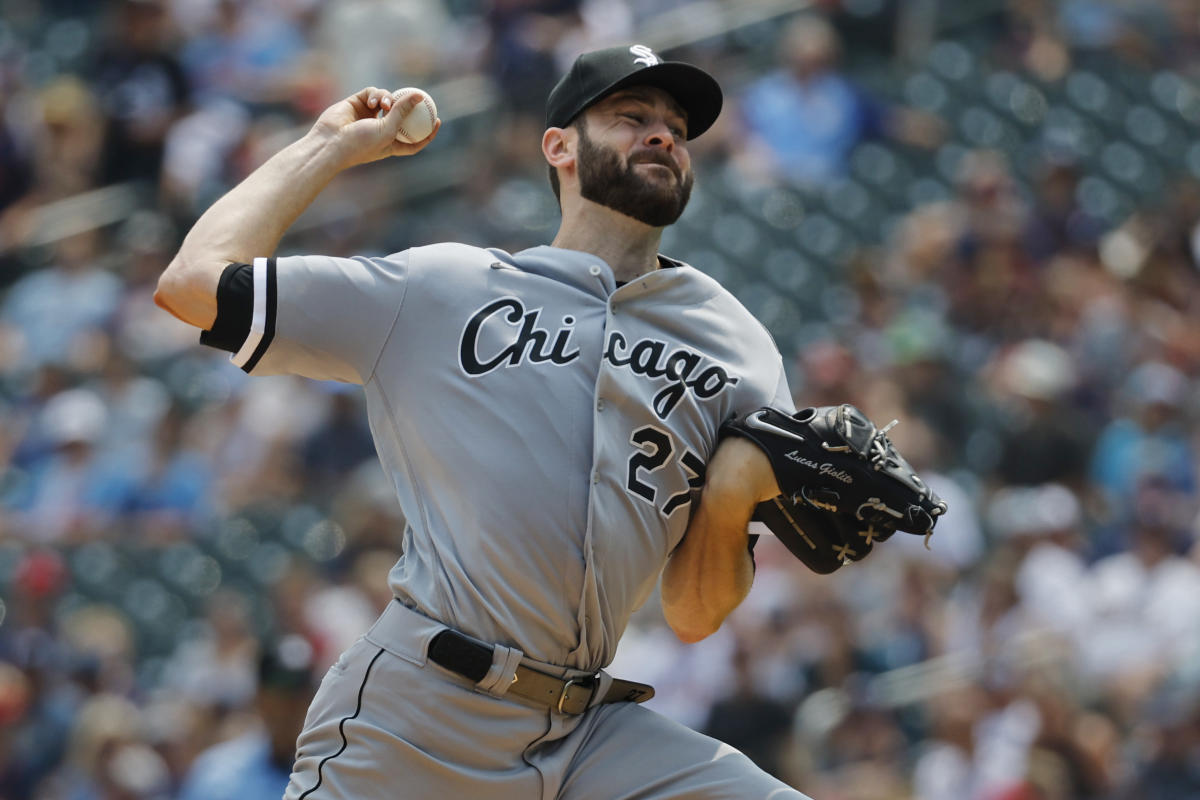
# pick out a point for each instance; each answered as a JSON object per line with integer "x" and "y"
{"x": 660, "y": 136}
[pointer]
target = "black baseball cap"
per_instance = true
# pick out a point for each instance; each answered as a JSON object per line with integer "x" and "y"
{"x": 597, "y": 74}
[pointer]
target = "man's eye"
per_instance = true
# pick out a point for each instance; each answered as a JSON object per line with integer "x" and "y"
{"x": 633, "y": 118}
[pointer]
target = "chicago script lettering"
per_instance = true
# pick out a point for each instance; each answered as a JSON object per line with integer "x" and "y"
{"x": 530, "y": 341}
{"x": 649, "y": 358}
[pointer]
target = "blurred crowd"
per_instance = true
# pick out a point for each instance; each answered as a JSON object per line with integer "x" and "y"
{"x": 184, "y": 551}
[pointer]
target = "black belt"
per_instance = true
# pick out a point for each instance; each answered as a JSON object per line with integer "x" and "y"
{"x": 472, "y": 660}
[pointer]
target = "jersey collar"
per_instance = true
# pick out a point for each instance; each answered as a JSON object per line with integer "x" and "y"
{"x": 593, "y": 275}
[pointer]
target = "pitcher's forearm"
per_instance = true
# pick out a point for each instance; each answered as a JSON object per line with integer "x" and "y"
{"x": 709, "y": 575}
{"x": 252, "y": 217}
{"x": 247, "y": 222}
{"x": 711, "y": 571}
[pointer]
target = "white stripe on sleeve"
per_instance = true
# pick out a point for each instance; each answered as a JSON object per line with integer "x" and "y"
{"x": 259, "y": 319}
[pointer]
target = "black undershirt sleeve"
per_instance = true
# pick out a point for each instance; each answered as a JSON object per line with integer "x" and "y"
{"x": 235, "y": 309}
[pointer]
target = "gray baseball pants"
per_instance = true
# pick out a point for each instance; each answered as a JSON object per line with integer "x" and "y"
{"x": 389, "y": 723}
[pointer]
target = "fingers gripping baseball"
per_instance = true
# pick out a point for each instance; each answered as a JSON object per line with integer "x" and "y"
{"x": 365, "y": 125}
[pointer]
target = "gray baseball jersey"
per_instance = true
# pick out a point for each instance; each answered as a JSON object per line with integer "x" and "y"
{"x": 546, "y": 430}
{"x": 547, "y": 433}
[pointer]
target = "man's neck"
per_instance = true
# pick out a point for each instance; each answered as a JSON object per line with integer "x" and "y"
{"x": 628, "y": 246}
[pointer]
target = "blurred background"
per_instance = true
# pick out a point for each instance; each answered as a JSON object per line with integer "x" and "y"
{"x": 981, "y": 217}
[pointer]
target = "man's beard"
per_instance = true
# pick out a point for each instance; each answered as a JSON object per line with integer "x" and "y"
{"x": 603, "y": 180}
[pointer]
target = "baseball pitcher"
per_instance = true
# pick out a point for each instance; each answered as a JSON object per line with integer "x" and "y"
{"x": 564, "y": 426}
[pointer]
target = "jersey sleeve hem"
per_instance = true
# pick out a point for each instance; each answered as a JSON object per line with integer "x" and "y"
{"x": 262, "y": 321}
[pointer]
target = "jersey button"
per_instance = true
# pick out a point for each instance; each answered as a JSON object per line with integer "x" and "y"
{"x": 595, "y": 478}
{"x": 600, "y": 404}
{"x": 595, "y": 270}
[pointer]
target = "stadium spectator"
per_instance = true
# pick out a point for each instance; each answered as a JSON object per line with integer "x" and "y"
{"x": 142, "y": 90}
{"x": 139, "y": 331}
{"x": 806, "y": 117}
{"x": 16, "y": 165}
{"x": 1148, "y": 441}
{"x": 247, "y": 52}
{"x": 756, "y": 724}
{"x": 1042, "y": 525}
{"x": 53, "y": 310}
{"x": 1140, "y": 601}
{"x": 1167, "y": 768}
{"x": 393, "y": 43}
{"x": 521, "y": 50}
{"x": 109, "y": 758}
{"x": 36, "y": 704}
{"x": 1042, "y": 438}
{"x": 993, "y": 272}
{"x": 217, "y": 668}
{"x": 73, "y": 494}
{"x": 255, "y": 765}
{"x": 340, "y": 444}
{"x": 171, "y": 493}
{"x": 67, "y": 145}
{"x": 1057, "y": 223}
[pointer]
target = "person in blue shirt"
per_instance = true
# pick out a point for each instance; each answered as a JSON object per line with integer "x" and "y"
{"x": 1148, "y": 440}
{"x": 256, "y": 765}
{"x": 806, "y": 117}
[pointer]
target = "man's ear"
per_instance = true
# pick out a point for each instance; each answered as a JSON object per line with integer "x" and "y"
{"x": 558, "y": 146}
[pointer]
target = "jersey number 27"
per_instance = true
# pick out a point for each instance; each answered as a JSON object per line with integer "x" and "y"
{"x": 655, "y": 448}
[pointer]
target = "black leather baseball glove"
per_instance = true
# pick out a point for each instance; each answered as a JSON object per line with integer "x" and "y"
{"x": 845, "y": 486}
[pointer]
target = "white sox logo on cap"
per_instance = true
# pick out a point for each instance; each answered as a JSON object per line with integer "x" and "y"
{"x": 644, "y": 55}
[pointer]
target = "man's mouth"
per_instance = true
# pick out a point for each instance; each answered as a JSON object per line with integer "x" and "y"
{"x": 667, "y": 167}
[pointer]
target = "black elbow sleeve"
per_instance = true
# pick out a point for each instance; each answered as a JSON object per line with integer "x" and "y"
{"x": 235, "y": 309}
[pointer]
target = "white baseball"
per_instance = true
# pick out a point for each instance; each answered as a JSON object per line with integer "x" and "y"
{"x": 418, "y": 123}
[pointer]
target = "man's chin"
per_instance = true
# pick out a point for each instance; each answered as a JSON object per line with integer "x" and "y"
{"x": 660, "y": 191}
{"x": 655, "y": 217}
{"x": 655, "y": 201}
